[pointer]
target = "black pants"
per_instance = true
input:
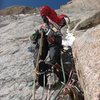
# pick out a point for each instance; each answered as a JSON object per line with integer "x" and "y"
{"x": 52, "y": 49}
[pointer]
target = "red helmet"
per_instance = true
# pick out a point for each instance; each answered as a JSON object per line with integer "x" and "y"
{"x": 44, "y": 10}
{"x": 51, "y": 14}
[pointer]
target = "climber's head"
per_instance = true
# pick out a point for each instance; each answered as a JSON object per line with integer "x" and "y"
{"x": 44, "y": 10}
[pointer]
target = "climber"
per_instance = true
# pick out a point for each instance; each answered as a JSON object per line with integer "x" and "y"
{"x": 52, "y": 38}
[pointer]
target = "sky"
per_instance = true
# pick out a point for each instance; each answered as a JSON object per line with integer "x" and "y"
{"x": 33, "y": 3}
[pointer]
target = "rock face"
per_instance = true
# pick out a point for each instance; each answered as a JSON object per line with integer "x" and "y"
{"x": 87, "y": 44}
{"x": 18, "y": 10}
{"x": 16, "y": 63}
{"x": 78, "y": 10}
{"x": 87, "y": 60}
{"x": 90, "y": 22}
{"x": 81, "y": 6}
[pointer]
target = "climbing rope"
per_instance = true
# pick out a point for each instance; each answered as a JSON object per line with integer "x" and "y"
{"x": 63, "y": 78}
{"x": 70, "y": 90}
{"x": 43, "y": 86}
{"x": 37, "y": 67}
